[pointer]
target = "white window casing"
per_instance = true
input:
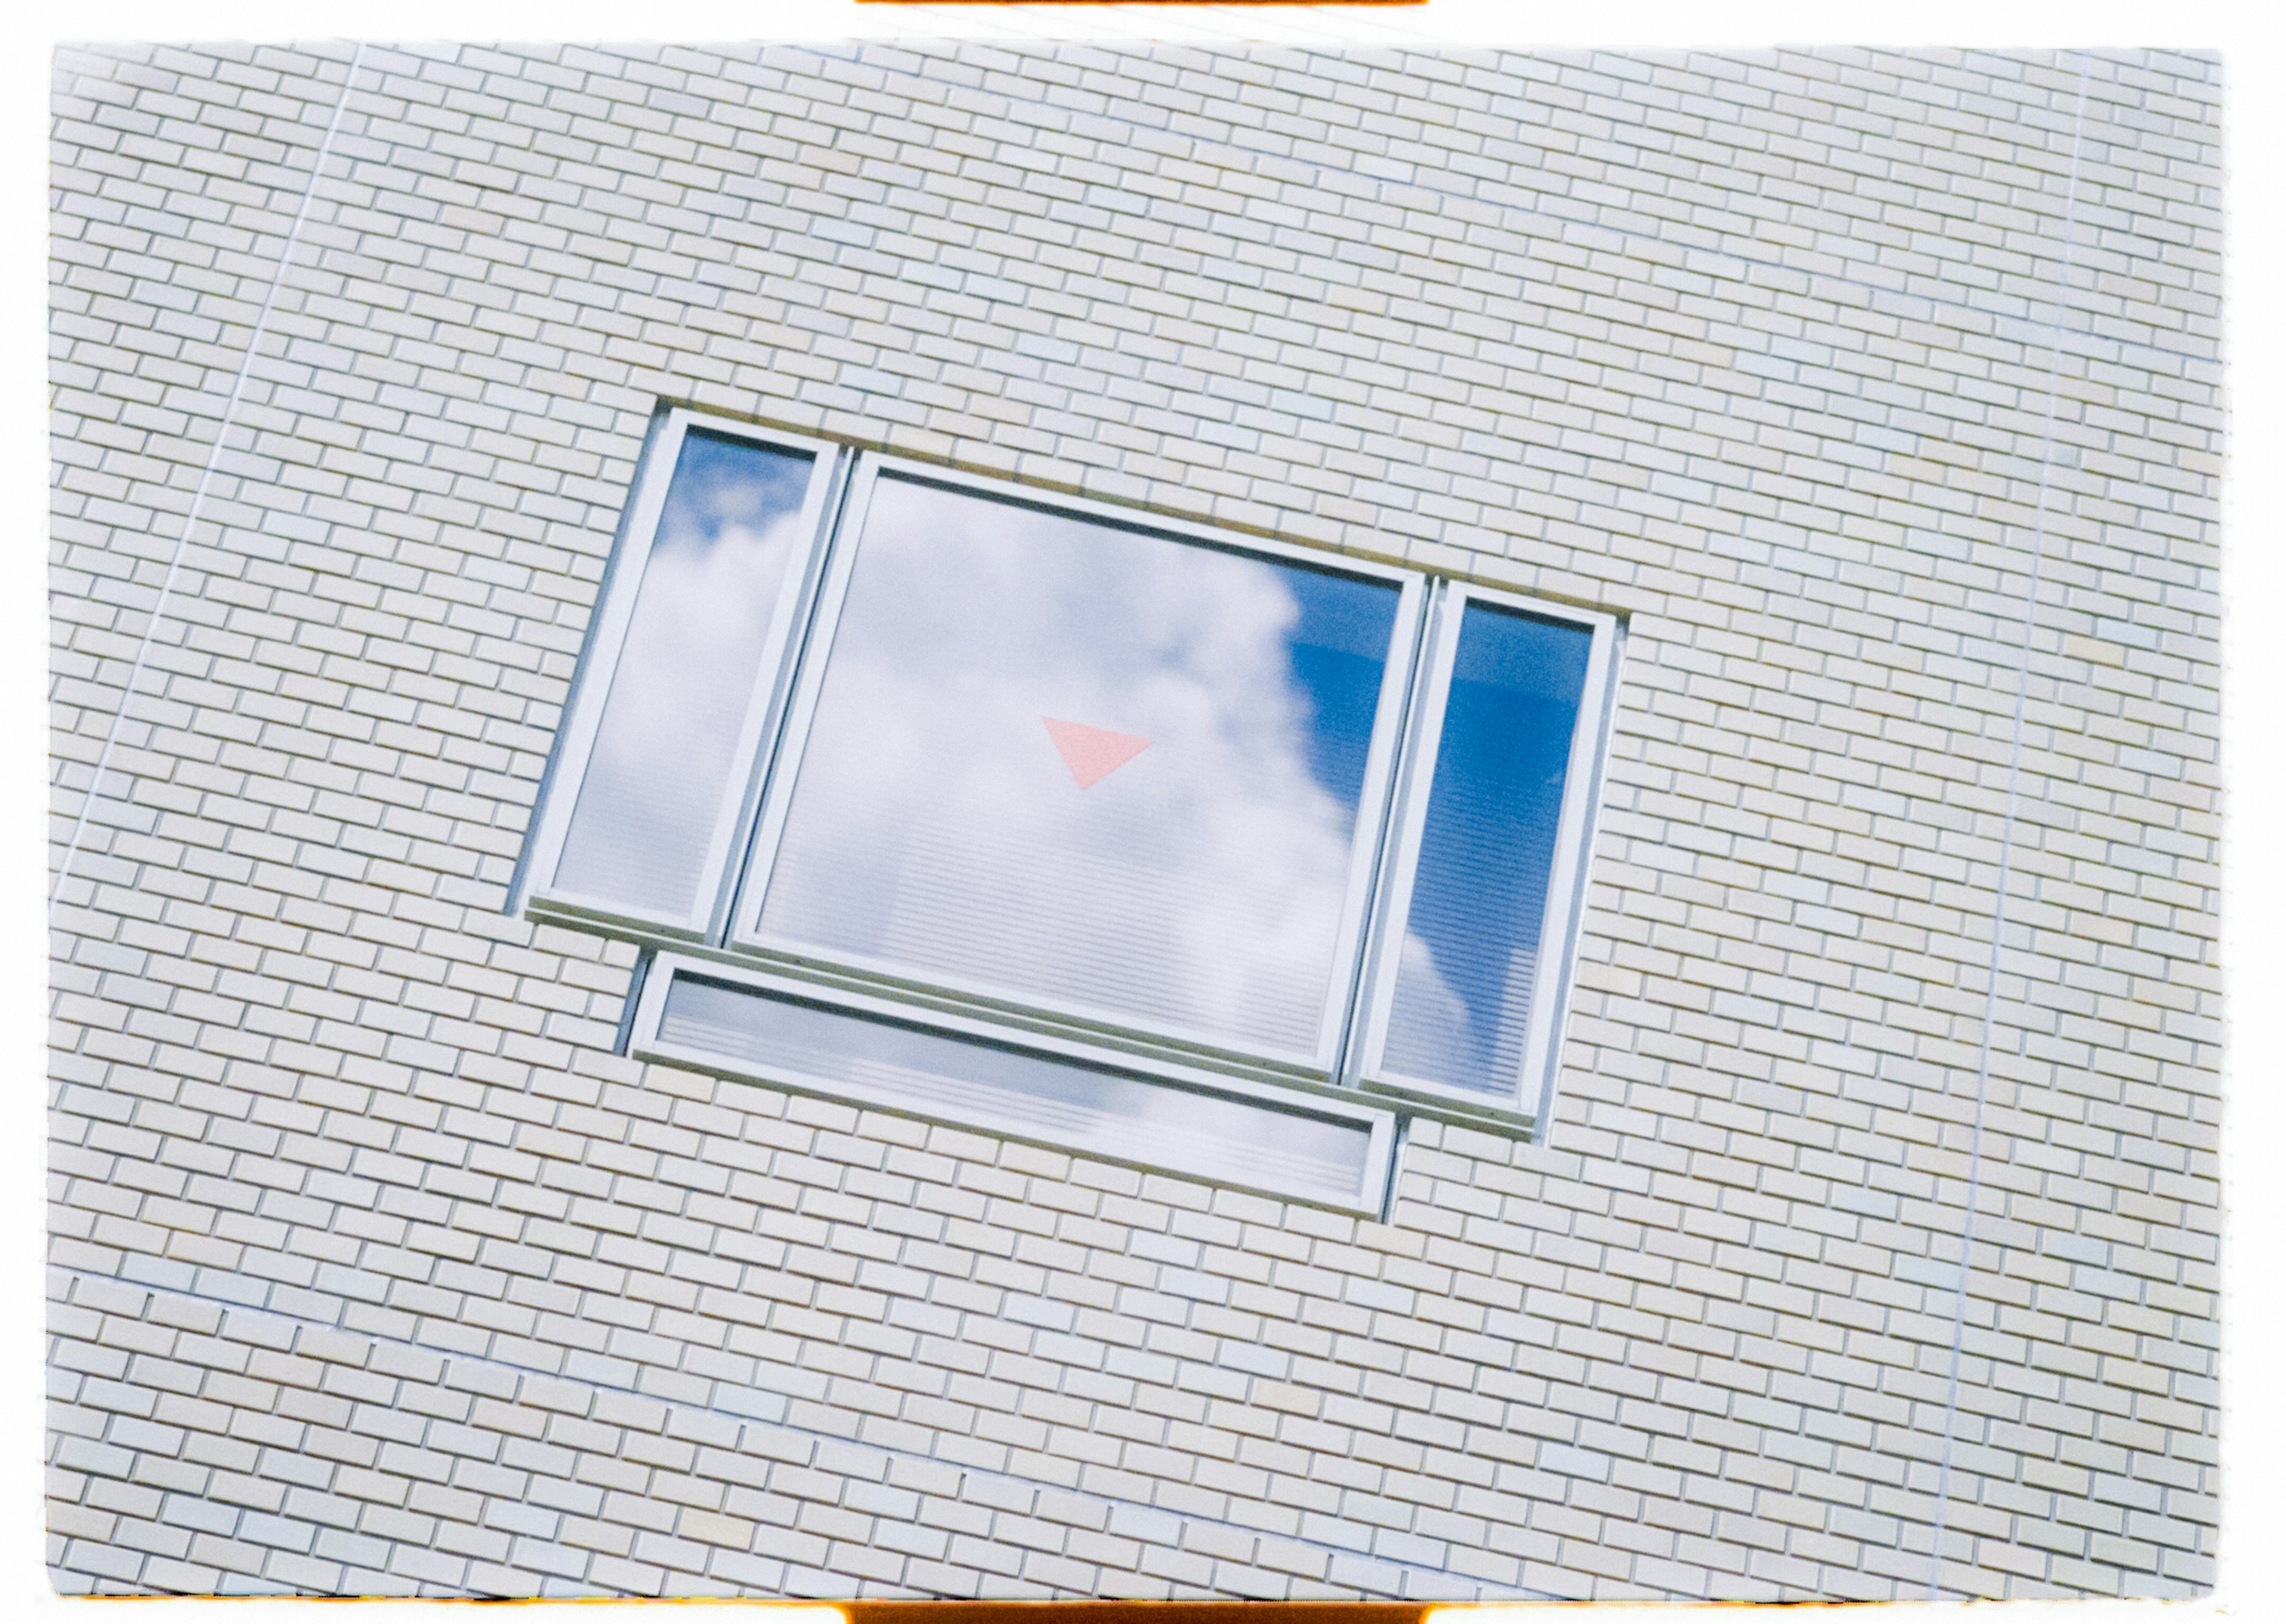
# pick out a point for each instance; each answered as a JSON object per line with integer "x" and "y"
{"x": 1037, "y": 970}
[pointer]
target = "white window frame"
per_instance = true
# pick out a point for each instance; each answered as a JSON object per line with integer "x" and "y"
{"x": 1559, "y": 928}
{"x": 599, "y": 664}
{"x": 721, "y": 937}
{"x": 1373, "y": 798}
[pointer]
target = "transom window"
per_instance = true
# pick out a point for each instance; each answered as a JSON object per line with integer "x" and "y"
{"x": 1072, "y": 823}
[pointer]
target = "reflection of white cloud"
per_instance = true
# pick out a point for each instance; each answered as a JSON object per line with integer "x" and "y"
{"x": 934, "y": 824}
{"x": 662, "y": 761}
{"x": 1428, "y": 1022}
{"x": 1435, "y": 1035}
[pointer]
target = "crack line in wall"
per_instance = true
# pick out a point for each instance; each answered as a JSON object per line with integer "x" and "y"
{"x": 206, "y": 478}
{"x": 2007, "y": 843}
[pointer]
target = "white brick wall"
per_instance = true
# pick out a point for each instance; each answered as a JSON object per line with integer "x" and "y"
{"x": 376, "y": 1270}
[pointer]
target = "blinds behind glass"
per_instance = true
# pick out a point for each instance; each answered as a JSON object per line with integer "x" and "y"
{"x": 1470, "y": 954}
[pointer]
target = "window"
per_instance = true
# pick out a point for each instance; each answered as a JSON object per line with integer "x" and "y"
{"x": 1071, "y": 823}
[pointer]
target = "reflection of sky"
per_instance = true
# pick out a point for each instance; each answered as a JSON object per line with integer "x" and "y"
{"x": 1335, "y": 656}
{"x": 661, "y": 761}
{"x": 1472, "y": 946}
{"x": 1199, "y": 885}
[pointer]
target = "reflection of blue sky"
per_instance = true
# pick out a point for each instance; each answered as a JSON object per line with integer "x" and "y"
{"x": 725, "y": 490}
{"x": 1199, "y": 885}
{"x": 1335, "y": 653}
{"x": 662, "y": 756}
{"x": 1471, "y": 948}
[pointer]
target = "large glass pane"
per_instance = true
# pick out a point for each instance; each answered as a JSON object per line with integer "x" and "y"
{"x": 662, "y": 759}
{"x": 1085, "y": 1107}
{"x": 1470, "y": 951}
{"x": 1080, "y": 765}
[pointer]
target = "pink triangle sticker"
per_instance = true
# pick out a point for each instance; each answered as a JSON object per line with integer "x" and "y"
{"x": 1092, "y": 753}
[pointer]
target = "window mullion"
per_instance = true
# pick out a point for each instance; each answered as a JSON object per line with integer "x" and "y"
{"x": 1409, "y": 808}
{"x": 805, "y": 679}
{"x": 736, "y": 870}
{"x": 1397, "y": 799}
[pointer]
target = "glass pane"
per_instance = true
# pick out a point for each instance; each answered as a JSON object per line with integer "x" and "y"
{"x": 1085, "y": 1107}
{"x": 1472, "y": 946}
{"x": 662, "y": 761}
{"x": 1077, "y": 764}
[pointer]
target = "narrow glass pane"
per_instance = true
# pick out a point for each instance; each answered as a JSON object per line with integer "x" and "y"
{"x": 1081, "y": 765}
{"x": 661, "y": 764}
{"x": 1470, "y": 951}
{"x": 1085, "y": 1107}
